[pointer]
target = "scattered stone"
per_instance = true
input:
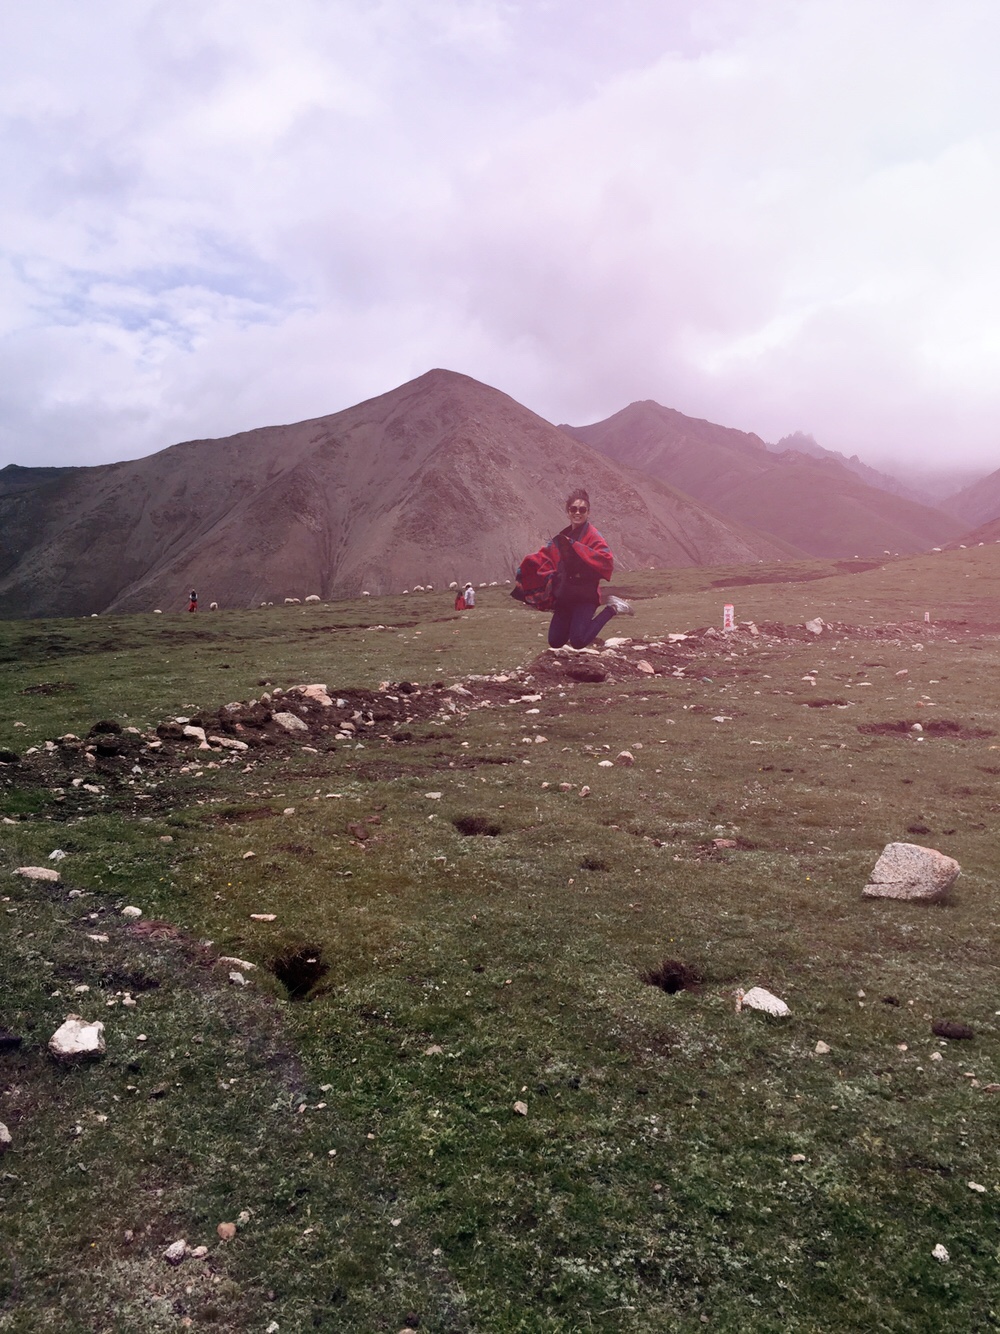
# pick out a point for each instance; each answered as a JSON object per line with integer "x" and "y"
{"x": 821, "y": 1048}
{"x": 131, "y": 911}
{"x": 291, "y": 722}
{"x": 77, "y": 1040}
{"x": 237, "y": 978}
{"x": 433, "y": 796}
{"x": 725, "y": 843}
{"x": 947, "y": 1028}
{"x": 909, "y": 871}
{"x": 57, "y": 855}
{"x": 625, "y": 757}
{"x": 521, "y": 1108}
{"x": 226, "y": 1231}
{"x": 176, "y": 1252}
{"x": 798, "y": 1158}
{"x": 434, "y": 1050}
{"x": 199, "y": 1253}
{"x": 974, "y": 1185}
{"x": 248, "y": 856}
{"x": 757, "y": 998}
{"x": 166, "y": 838}
{"x": 815, "y": 626}
{"x": 233, "y": 962}
{"x": 39, "y": 873}
{"x": 585, "y": 791}
{"x": 195, "y": 733}
{"x": 940, "y": 1253}
{"x": 936, "y": 1056}
{"x": 5, "y": 1138}
{"x": 645, "y": 667}
{"x": 263, "y": 917}
{"x": 289, "y": 810}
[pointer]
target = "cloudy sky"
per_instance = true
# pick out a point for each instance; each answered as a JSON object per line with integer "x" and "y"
{"x": 778, "y": 214}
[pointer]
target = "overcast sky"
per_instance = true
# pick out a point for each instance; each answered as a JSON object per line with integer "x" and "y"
{"x": 777, "y": 214}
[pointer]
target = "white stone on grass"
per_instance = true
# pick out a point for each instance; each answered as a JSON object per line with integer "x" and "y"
{"x": 941, "y": 1253}
{"x": 909, "y": 871}
{"x": 176, "y": 1252}
{"x": 5, "y": 1138}
{"x": 131, "y": 911}
{"x": 38, "y": 873}
{"x": 757, "y": 998}
{"x": 77, "y": 1040}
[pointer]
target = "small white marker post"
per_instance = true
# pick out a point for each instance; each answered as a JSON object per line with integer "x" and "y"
{"x": 927, "y": 617}
{"x": 727, "y": 616}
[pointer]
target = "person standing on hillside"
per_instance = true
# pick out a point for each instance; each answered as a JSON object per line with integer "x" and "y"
{"x": 193, "y": 602}
{"x": 582, "y": 559}
{"x": 469, "y": 596}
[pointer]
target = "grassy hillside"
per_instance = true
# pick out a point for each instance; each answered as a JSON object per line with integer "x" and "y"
{"x": 446, "y": 1098}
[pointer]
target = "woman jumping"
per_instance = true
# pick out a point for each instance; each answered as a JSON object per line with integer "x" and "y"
{"x": 582, "y": 559}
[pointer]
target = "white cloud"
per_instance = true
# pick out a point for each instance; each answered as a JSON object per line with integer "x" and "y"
{"x": 775, "y": 215}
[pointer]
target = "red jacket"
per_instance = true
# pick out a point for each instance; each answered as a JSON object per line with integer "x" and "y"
{"x": 565, "y": 572}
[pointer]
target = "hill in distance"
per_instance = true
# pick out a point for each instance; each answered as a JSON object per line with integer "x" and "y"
{"x": 814, "y": 503}
{"x": 443, "y": 478}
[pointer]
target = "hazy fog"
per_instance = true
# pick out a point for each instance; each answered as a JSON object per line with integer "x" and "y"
{"x": 780, "y": 216}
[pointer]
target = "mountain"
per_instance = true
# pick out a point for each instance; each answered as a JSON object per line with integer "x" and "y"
{"x": 443, "y": 478}
{"x": 976, "y": 504}
{"x": 815, "y": 503}
{"x": 882, "y": 481}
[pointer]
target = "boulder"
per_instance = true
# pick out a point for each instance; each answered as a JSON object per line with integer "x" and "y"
{"x": 291, "y": 722}
{"x": 909, "y": 871}
{"x": 757, "y": 998}
{"x": 815, "y": 626}
{"x": 38, "y": 873}
{"x": 76, "y": 1040}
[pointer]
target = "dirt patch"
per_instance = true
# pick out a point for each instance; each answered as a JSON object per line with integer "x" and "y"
{"x": 671, "y": 976}
{"x": 49, "y": 688}
{"x": 935, "y": 727}
{"x": 241, "y": 815}
{"x": 826, "y": 703}
{"x": 476, "y": 825}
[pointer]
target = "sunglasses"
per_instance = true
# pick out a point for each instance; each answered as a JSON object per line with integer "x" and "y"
{"x": 577, "y": 509}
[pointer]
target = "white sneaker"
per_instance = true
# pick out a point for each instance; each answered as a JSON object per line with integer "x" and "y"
{"x": 621, "y": 607}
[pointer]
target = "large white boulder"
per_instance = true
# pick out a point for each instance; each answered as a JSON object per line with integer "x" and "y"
{"x": 291, "y": 722}
{"x": 77, "y": 1040}
{"x": 908, "y": 871}
{"x": 38, "y": 873}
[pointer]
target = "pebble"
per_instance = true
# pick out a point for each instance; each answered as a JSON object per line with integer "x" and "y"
{"x": 821, "y": 1049}
{"x": 263, "y": 917}
{"x": 176, "y": 1252}
{"x": 5, "y": 1138}
{"x": 940, "y": 1253}
{"x": 131, "y": 912}
{"x": 226, "y": 1231}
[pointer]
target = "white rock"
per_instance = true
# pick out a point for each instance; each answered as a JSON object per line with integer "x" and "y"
{"x": 57, "y": 855}
{"x": 821, "y": 1048}
{"x": 940, "y": 1253}
{"x": 176, "y": 1252}
{"x": 131, "y": 911}
{"x": 645, "y": 667}
{"x": 625, "y": 757}
{"x": 5, "y": 1138}
{"x": 974, "y": 1185}
{"x": 815, "y": 626}
{"x": 237, "y": 978}
{"x": 228, "y": 743}
{"x": 291, "y": 722}
{"x": 38, "y": 873}
{"x": 908, "y": 871}
{"x": 318, "y": 694}
{"x": 77, "y": 1040}
{"x": 757, "y": 998}
{"x": 195, "y": 733}
{"x": 604, "y": 764}
{"x": 433, "y": 796}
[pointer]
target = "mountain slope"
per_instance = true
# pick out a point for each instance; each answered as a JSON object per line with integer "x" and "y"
{"x": 443, "y": 478}
{"x": 817, "y": 504}
{"x": 976, "y": 504}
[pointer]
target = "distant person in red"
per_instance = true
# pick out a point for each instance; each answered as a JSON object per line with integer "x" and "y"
{"x": 583, "y": 559}
{"x": 193, "y": 604}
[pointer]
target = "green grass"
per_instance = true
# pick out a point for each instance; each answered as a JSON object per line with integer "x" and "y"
{"x": 651, "y": 1185}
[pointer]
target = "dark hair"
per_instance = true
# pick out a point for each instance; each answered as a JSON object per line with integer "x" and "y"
{"x": 578, "y": 493}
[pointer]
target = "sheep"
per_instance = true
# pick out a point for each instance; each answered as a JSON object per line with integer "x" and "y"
{"x": 157, "y": 611}
{"x": 366, "y": 594}
{"x": 293, "y": 602}
{"x": 313, "y": 597}
{"x": 213, "y": 606}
